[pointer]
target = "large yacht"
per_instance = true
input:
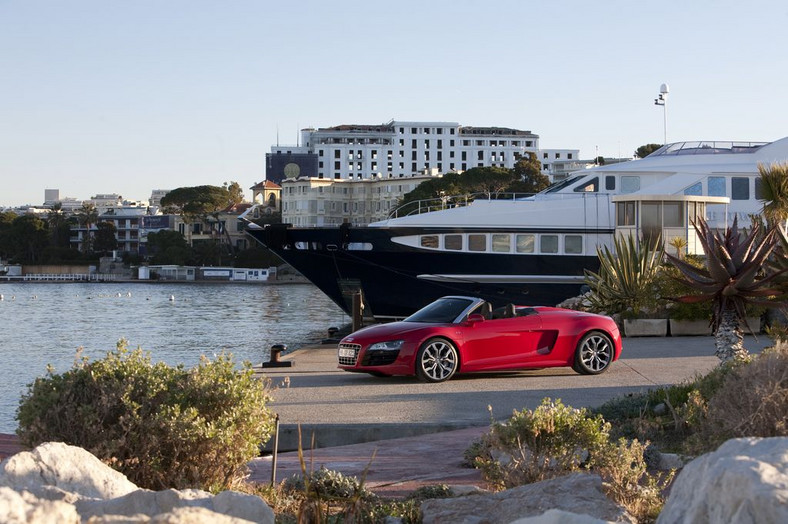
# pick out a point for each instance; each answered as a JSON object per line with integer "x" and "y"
{"x": 530, "y": 250}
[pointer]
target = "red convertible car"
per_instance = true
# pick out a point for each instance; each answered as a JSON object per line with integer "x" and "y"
{"x": 463, "y": 335}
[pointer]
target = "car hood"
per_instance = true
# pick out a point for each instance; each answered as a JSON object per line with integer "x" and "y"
{"x": 381, "y": 332}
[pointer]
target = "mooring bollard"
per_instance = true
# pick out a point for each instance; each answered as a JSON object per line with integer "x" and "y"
{"x": 274, "y": 361}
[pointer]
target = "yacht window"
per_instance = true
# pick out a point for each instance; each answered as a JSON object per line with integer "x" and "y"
{"x": 589, "y": 186}
{"x": 610, "y": 183}
{"x": 501, "y": 243}
{"x": 630, "y": 184}
{"x": 651, "y": 221}
{"x": 477, "y": 242}
{"x": 759, "y": 189}
{"x": 673, "y": 214}
{"x": 694, "y": 190}
{"x": 548, "y": 244}
{"x": 716, "y": 186}
{"x": 452, "y": 242}
{"x": 429, "y": 241}
{"x": 740, "y": 188}
{"x": 525, "y": 243}
{"x": 625, "y": 214}
{"x": 573, "y": 244}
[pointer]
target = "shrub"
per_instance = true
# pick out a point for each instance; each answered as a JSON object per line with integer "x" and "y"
{"x": 553, "y": 440}
{"x": 752, "y": 400}
{"x": 163, "y": 427}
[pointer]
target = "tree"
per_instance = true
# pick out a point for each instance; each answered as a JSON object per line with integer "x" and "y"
{"x": 529, "y": 176}
{"x": 235, "y": 192}
{"x": 196, "y": 203}
{"x": 736, "y": 274}
{"x": 646, "y": 150}
{"x": 59, "y": 228}
{"x": 168, "y": 247}
{"x": 105, "y": 240}
{"x": 774, "y": 193}
{"x": 87, "y": 216}
{"x": 28, "y": 238}
{"x": 6, "y": 223}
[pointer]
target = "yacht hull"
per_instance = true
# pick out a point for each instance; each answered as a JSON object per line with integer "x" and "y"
{"x": 396, "y": 280}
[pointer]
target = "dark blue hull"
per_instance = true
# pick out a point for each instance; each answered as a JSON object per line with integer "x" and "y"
{"x": 396, "y": 280}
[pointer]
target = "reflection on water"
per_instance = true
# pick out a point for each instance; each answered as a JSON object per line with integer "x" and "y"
{"x": 44, "y": 324}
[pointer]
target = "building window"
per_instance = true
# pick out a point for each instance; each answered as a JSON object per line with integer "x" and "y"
{"x": 337, "y": 165}
{"x": 544, "y": 155}
{"x": 414, "y": 130}
{"x": 413, "y": 167}
{"x": 558, "y": 155}
{"x": 569, "y": 156}
{"x": 480, "y": 155}
{"x": 625, "y": 213}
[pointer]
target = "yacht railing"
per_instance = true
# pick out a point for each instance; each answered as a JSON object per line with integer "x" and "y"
{"x": 416, "y": 207}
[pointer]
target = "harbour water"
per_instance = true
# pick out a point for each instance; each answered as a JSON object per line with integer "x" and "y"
{"x": 45, "y": 324}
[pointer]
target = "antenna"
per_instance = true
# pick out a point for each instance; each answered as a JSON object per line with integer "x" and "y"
{"x": 277, "y": 135}
{"x": 298, "y": 136}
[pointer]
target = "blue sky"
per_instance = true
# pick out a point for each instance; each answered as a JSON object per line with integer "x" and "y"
{"x": 108, "y": 96}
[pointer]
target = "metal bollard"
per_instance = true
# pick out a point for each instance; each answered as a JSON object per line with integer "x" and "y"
{"x": 274, "y": 361}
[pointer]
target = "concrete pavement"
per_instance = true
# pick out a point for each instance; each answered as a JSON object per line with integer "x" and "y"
{"x": 342, "y": 408}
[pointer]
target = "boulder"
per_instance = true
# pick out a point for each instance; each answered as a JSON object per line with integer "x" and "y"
{"x": 67, "y": 468}
{"x": 556, "y": 516}
{"x": 153, "y": 503}
{"x": 25, "y": 508}
{"x": 745, "y": 480}
{"x": 577, "y": 493}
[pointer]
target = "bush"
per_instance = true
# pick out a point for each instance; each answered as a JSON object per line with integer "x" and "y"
{"x": 553, "y": 440}
{"x": 163, "y": 427}
{"x": 752, "y": 401}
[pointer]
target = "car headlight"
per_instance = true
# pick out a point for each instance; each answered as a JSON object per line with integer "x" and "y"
{"x": 390, "y": 345}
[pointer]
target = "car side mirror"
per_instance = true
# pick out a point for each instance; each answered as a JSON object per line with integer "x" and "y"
{"x": 474, "y": 318}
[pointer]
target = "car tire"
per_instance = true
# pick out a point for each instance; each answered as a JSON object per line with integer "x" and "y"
{"x": 437, "y": 360}
{"x": 594, "y": 354}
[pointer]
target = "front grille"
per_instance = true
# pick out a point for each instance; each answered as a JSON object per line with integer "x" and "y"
{"x": 348, "y": 360}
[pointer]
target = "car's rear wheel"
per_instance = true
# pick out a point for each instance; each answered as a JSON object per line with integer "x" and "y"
{"x": 437, "y": 360}
{"x": 594, "y": 354}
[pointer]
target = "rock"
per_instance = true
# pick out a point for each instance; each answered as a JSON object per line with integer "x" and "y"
{"x": 660, "y": 409}
{"x": 745, "y": 480}
{"x": 556, "y": 516}
{"x": 68, "y": 468}
{"x": 669, "y": 461}
{"x": 25, "y": 508}
{"x": 153, "y": 503}
{"x": 577, "y": 493}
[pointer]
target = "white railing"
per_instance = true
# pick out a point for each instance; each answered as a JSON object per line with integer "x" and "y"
{"x": 61, "y": 277}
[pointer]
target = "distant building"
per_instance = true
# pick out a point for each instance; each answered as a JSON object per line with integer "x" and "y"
{"x": 269, "y": 195}
{"x": 397, "y": 149}
{"x": 327, "y": 202}
{"x": 156, "y": 196}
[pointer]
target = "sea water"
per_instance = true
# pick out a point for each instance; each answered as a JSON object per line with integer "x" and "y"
{"x": 45, "y": 324}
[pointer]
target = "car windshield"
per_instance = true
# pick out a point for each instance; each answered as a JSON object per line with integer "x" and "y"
{"x": 441, "y": 311}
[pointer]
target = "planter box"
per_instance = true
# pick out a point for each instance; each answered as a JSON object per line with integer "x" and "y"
{"x": 646, "y": 327}
{"x": 681, "y": 328}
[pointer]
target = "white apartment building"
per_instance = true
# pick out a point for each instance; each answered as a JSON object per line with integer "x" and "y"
{"x": 329, "y": 202}
{"x": 399, "y": 149}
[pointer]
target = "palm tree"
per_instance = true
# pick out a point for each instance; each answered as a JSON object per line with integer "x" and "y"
{"x": 87, "y": 216}
{"x": 736, "y": 274}
{"x": 774, "y": 193}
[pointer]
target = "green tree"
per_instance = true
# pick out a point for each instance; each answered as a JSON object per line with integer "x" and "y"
{"x": 528, "y": 175}
{"x": 59, "y": 227}
{"x": 196, "y": 204}
{"x": 774, "y": 193}
{"x": 105, "y": 240}
{"x": 87, "y": 216}
{"x": 235, "y": 191}
{"x": 28, "y": 237}
{"x": 645, "y": 150}
{"x": 168, "y": 247}
{"x": 735, "y": 274}
{"x": 7, "y": 249}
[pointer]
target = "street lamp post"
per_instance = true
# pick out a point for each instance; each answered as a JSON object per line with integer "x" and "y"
{"x": 662, "y": 100}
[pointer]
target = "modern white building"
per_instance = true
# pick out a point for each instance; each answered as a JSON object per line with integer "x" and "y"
{"x": 397, "y": 149}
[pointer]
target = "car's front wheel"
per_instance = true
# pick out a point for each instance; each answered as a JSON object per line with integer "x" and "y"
{"x": 594, "y": 354}
{"x": 437, "y": 360}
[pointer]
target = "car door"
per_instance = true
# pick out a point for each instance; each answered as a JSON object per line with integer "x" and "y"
{"x": 504, "y": 343}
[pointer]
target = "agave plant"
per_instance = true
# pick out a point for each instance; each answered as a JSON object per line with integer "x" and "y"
{"x": 736, "y": 274}
{"x": 623, "y": 283}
